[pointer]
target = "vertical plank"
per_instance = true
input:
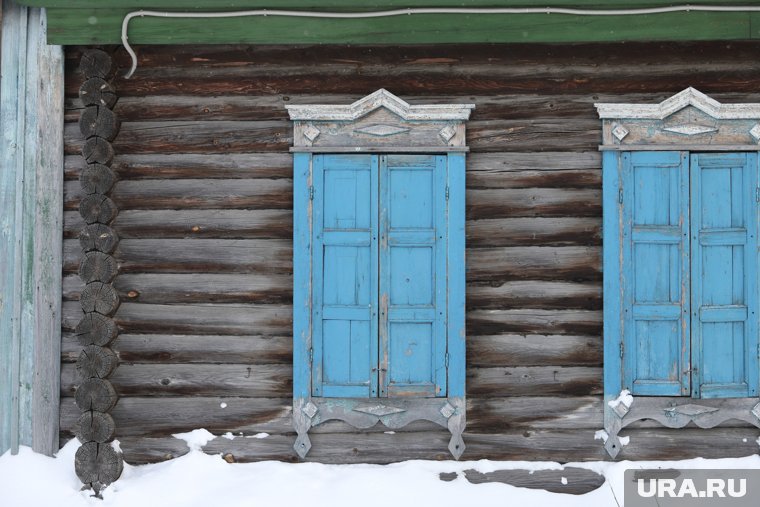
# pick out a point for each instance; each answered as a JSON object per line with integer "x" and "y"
{"x": 31, "y": 210}
{"x": 456, "y": 273}
{"x": 301, "y": 275}
{"x": 612, "y": 269}
{"x": 48, "y": 242}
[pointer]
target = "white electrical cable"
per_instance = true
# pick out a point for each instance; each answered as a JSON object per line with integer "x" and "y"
{"x": 413, "y": 11}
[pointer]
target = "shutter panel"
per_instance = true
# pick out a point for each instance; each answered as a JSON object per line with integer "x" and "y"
{"x": 724, "y": 274}
{"x": 655, "y": 278}
{"x": 413, "y": 275}
{"x": 345, "y": 285}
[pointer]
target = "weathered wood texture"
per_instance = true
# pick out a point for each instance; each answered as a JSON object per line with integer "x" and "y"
{"x": 203, "y": 186}
{"x": 31, "y": 178}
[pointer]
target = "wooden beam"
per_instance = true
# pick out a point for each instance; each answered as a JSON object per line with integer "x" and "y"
{"x": 75, "y": 26}
{"x": 31, "y": 216}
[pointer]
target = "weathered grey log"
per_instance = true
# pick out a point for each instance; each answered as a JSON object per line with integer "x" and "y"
{"x": 95, "y": 394}
{"x": 96, "y": 362}
{"x": 94, "y": 426}
{"x": 569, "y": 480}
{"x": 96, "y": 179}
{"x": 195, "y": 194}
{"x": 97, "y": 91}
{"x": 95, "y": 329}
{"x": 95, "y": 63}
{"x": 152, "y": 348}
{"x": 533, "y": 321}
{"x": 97, "y": 208}
{"x": 99, "y": 121}
{"x": 533, "y": 263}
{"x": 193, "y": 256}
{"x": 99, "y": 297}
{"x": 534, "y": 350}
{"x": 198, "y": 165}
{"x": 98, "y": 237}
{"x": 97, "y": 267}
{"x": 534, "y": 294}
{"x": 98, "y": 464}
{"x": 534, "y": 231}
{"x": 97, "y": 150}
{"x": 257, "y": 381}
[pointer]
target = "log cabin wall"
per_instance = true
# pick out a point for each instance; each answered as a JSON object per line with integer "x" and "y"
{"x": 204, "y": 194}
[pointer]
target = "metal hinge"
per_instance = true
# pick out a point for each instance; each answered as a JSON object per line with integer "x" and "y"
{"x": 620, "y": 195}
{"x": 757, "y": 194}
{"x": 311, "y": 356}
{"x": 311, "y": 193}
{"x": 622, "y": 349}
{"x": 447, "y": 360}
{"x": 447, "y": 193}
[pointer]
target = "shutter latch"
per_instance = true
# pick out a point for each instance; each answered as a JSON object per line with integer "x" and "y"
{"x": 311, "y": 356}
{"x": 311, "y": 193}
{"x": 620, "y": 195}
{"x": 447, "y": 193}
{"x": 447, "y": 360}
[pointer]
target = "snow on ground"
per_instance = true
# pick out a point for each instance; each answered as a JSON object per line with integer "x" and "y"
{"x": 197, "y": 479}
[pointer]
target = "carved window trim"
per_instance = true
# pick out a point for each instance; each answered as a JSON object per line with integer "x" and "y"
{"x": 378, "y": 123}
{"x": 687, "y": 121}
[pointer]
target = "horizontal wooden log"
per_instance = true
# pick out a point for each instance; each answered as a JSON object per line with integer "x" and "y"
{"x": 97, "y": 267}
{"x": 546, "y": 445}
{"x": 535, "y": 294}
{"x": 194, "y": 255}
{"x": 533, "y": 263}
{"x": 92, "y": 328}
{"x": 93, "y": 426}
{"x": 91, "y": 394}
{"x": 573, "y": 178}
{"x": 98, "y": 464}
{"x": 534, "y": 321}
{"x": 98, "y": 121}
{"x": 95, "y": 63}
{"x": 95, "y": 150}
{"x": 533, "y": 202}
{"x": 534, "y": 350}
{"x": 96, "y": 362}
{"x": 534, "y": 231}
{"x": 244, "y": 136}
{"x": 534, "y": 381}
{"x": 191, "y": 223}
{"x": 275, "y": 380}
{"x": 96, "y": 179}
{"x": 97, "y": 208}
{"x": 272, "y": 106}
{"x": 485, "y": 170}
{"x": 96, "y": 91}
{"x": 186, "y": 349}
{"x": 256, "y": 381}
{"x": 128, "y": 166}
{"x": 165, "y": 415}
{"x": 193, "y": 194}
{"x": 569, "y": 480}
{"x": 261, "y": 288}
{"x": 99, "y": 297}
{"x": 267, "y": 320}
{"x": 99, "y": 237}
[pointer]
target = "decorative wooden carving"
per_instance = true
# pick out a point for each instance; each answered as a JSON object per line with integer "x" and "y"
{"x": 97, "y": 463}
{"x": 394, "y": 413}
{"x": 676, "y": 412}
{"x": 690, "y": 119}
{"x": 379, "y": 122}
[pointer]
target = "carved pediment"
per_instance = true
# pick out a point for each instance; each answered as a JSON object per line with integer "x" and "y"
{"x": 687, "y": 118}
{"x": 380, "y": 121}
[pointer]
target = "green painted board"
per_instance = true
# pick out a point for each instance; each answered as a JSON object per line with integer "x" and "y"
{"x": 359, "y": 4}
{"x": 103, "y": 26}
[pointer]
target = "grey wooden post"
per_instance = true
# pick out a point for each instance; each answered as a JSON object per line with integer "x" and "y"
{"x": 31, "y": 213}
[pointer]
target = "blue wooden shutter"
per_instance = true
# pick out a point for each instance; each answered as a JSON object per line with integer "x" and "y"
{"x": 655, "y": 278}
{"x": 344, "y": 275}
{"x": 724, "y": 274}
{"x": 413, "y": 275}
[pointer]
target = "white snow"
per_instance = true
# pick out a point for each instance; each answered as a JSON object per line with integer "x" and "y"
{"x": 223, "y": 405}
{"x": 625, "y": 398}
{"x": 229, "y": 436}
{"x": 564, "y": 480}
{"x": 195, "y": 439}
{"x": 260, "y": 435}
{"x": 624, "y": 440}
{"x": 601, "y": 435}
{"x": 199, "y": 480}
